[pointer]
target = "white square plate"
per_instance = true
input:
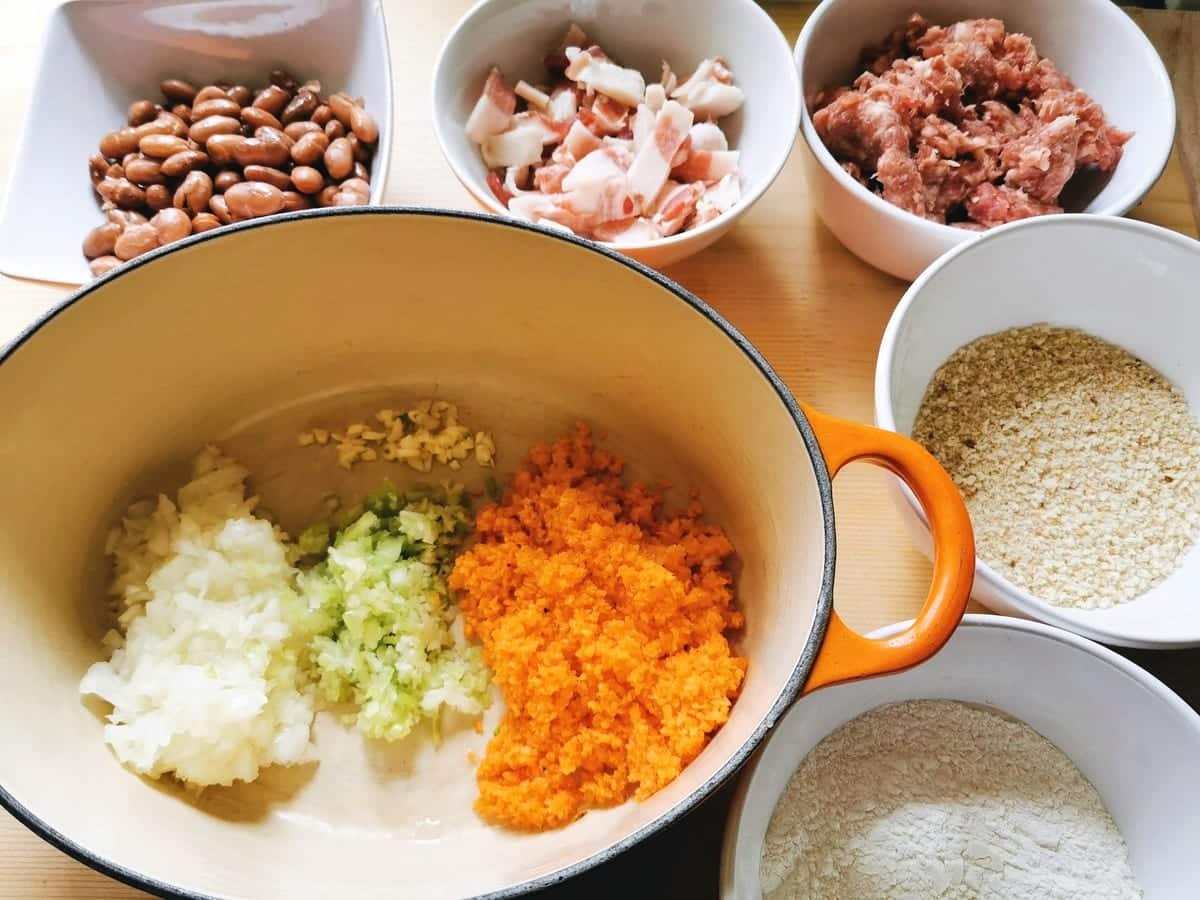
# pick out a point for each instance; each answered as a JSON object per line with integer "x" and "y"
{"x": 98, "y": 56}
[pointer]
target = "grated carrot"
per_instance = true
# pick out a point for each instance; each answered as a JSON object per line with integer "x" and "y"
{"x": 604, "y": 621}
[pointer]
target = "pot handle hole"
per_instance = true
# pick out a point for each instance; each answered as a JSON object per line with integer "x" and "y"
{"x": 846, "y": 655}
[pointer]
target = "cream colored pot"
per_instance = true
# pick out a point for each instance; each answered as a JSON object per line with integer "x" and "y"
{"x": 246, "y": 336}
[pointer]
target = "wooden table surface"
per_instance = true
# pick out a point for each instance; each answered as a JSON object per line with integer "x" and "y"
{"x": 815, "y": 311}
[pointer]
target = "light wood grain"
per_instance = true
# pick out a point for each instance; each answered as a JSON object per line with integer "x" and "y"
{"x": 815, "y": 311}
{"x": 1177, "y": 38}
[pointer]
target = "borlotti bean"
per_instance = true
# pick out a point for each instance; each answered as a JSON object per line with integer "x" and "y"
{"x": 212, "y": 154}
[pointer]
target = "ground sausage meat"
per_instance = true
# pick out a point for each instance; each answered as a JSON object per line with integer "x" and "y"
{"x": 965, "y": 124}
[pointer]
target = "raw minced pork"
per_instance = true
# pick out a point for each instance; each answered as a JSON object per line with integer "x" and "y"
{"x": 965, "y": 124}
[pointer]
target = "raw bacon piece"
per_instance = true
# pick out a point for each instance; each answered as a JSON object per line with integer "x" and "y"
{"x": 707, "y": 136}
{"x": 652, "y": 164}
{"x": 584, "y": 209}
{"x": 592, "y": 171}
{"x": 656, "y": 96}
{"x": 531, "y": 205}
{"x": 626, "y": 86}
{"x": 552, "y": 132}
{"x": 628, "y": 231}
{"x": 580, "y": 141}
{"x": 549, "y": 179}
{"x": 535, "y": 97}
{"x": 684, "y": 153}
{"x": 643, "y": 125}
{"x": 716, "y": 199}
{"x": 516, "y": 179}
{"x": 493, "y": 110}
{"x": 668, "y": 81}
{"x": 520, "y": 146}
{"x": 709, "y": 93}
{"x": 709, "y": 166}
{"x": 564, "y": 103}
{"x": 498, "y": 188}
{"x": 620, "y": 151}
{"x": 675, "y": 205}
{"x": 604, "y": 116}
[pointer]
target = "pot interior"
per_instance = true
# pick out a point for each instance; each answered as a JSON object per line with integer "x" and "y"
{"x": 246, "y": 338}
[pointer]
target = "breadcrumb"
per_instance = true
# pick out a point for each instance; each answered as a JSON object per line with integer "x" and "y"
{"x": 1078, "y": 462}
{"x": 604, "y": 621}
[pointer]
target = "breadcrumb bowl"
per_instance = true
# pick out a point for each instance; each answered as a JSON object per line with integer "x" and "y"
{"x": 115, "y": 389}
{"x": 1124, "y": 282}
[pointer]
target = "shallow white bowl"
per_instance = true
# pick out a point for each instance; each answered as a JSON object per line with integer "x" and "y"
{"x": 1092, "y": 41}
{"x": 98, "y": 56}
{"x": 1070, "y": 690}
{"x": 1124, "y": 281}
{"x": 516, "y": 35}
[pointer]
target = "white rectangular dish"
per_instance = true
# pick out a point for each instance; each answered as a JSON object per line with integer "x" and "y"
{"x": 100, "y": 55}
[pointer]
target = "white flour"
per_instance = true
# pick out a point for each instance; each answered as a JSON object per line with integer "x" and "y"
{"x": 939, "y": 799}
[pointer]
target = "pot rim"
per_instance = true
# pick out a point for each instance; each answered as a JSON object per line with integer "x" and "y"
{"x": 790, "y": 689}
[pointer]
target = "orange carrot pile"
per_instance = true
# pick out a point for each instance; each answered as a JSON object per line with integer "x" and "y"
{"x": 604, "y": 621}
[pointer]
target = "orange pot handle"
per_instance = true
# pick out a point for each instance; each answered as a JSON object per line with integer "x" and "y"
{"x": 847, "y": 655}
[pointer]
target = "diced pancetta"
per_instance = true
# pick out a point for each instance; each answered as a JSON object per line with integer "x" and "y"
{"x": 535, "y": 97}
{"x": 709, "y": 166}
{"x": 706, "y": 94}
{"x": 520, "y": 146}
{"x": 604, "y": 77}
{"x": 580, "y": 141}
{"x": 708, "y": 136}
{"x": 564, "y": 103}
{"x": 652, "y": 165}
{"x": 598, "y": 153}
{"x": 716, "y": 199}
{"x": 675, "y": 205}
{"x": 643, "y": 125}
{"x": 493, "y": 110}
{"x": 638, "y": 230}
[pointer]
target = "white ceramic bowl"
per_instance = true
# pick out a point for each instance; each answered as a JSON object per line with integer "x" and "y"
{"x": 1124, "y": 281}
{"x": 1070, "y": 690}
{"x": 98, "y": 56}
{"x": 1092, "y": 41}
{"x": 516, "y": 35}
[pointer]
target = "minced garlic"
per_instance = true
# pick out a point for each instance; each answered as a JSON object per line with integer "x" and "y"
{"x": 427, "y": 433}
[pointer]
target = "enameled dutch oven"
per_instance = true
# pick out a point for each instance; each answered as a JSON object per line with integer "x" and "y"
{"x": 246, "y": 335}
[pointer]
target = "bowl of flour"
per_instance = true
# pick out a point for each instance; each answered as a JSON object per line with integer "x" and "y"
{"x": 1020, "y": 763}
